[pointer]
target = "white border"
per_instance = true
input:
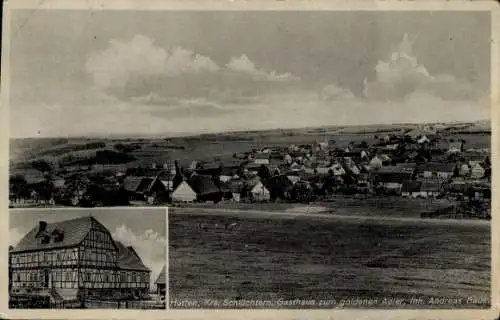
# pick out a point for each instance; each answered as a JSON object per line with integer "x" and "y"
{"x": 255, "y": 5}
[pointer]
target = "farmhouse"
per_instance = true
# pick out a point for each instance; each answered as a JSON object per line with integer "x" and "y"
{"x": 257, "y": 191}
{"x": 161, "y": 283}
{"x": 205, "y": 188}
{"x": 438, "y": 170}
{"x": 391, "y": 179}
{"x": 477, "y": 171}
{"x": 262, "y": 158}
{"x": 145, "y": 189}
{"x": 183, "y": 193}
{"x": 75, "y": 259}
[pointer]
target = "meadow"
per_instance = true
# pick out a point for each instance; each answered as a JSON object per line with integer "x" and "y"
{"x": 279, "y": 258}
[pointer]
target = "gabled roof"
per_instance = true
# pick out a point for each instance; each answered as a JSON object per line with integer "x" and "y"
{"x": 128, "y": 259}
{"x": 75, "y": 231}
{"x": 161, "y": 277}
{"x": 202, "y": 185}
{"x": 439, "y": 167}
{"x": 138, "y": 184}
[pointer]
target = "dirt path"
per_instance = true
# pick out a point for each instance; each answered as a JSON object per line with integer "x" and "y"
{"x": 298, "y": 213}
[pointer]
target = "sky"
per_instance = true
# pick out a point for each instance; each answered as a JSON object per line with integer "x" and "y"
{"x": 88, "y": 73}
{"x": 142, "y": 228}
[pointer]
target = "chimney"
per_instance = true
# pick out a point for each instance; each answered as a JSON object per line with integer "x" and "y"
{"x": 42, "y": 225}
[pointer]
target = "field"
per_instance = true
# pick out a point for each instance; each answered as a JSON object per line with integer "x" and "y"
{"x": 217, "y": 145}
{"x": 340, "y": 262}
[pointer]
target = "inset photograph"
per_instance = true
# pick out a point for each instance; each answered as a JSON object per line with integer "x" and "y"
{"x": 87, "y": 258}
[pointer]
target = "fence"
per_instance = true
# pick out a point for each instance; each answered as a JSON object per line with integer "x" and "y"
{"x": 101, "y": 304}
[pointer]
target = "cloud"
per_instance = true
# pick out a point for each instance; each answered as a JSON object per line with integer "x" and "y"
{"x": 150, "y": 246}
{"x": 142, "y": 72}
{"x": 402, "y": 75}
{"x": 333, "y": 92}
{"x": 244, "y": 65}
{"x": 15, "y": 236}
{"x": 123, "y": 60}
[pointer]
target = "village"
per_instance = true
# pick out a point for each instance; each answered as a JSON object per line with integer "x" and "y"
{"x": 421, "y": 163}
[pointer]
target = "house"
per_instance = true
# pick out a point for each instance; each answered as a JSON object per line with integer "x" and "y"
{"x": 380, "y": 160}
{"x": 205, "y": 188}
{"x": 161, "y": 283}
{"x": 257, "y": 191}
{"x": 476, "y": 171}
{"x": 431, "y": 187}
{"x": 423, "y": 140}
{"x": 293, "y": 177}
{"x": 75, "y": 259}
{"x": 407, "y": 167}
{"x": 411, "y": 188}
{"x": 337, "y": 169}
{"x": 458, "y": 187}
{"x": 183, "y": 193}
{"x": 391, "y": 179}
{"x": 280, "y": 187}
{"x": 148, "y": 189}
{"x": 455, "y": 147}
{"x": 438, "y": 170}
{"x": 262, "y": 158}
{"x": 350, "y": 165}
{"x": 463, "y": 169}
{"x": 480, "y": 191}
{"x": 236, "y": 187}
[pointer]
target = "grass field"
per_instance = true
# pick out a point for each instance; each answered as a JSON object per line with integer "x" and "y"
{"x": 217, "y": 145}
{"x": 279, "y": 258}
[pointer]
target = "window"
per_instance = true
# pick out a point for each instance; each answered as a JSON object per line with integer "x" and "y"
{"x": 68, "y": 276}
{"x": 18, "y": 277}
{"x": 87, "y": 276}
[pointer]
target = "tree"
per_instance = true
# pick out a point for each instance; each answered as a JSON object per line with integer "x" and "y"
{"x": 363, "y": 144}
{"x": 41, "y": 165}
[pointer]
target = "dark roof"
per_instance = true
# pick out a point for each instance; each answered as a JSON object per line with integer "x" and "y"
{"x": 278, "y": 185}
{"x": 161, "y": 277}
{"x": 202, "y": 185}
{"x": 132, "y": 183}
{"x": 128, "y": 259}
{"x": 75, "y": 231}
{"x": 138, "y": 184}
{"x": 438, "y": 167}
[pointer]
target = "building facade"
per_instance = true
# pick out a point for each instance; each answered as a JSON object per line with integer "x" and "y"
{"x": 74, "y": 260}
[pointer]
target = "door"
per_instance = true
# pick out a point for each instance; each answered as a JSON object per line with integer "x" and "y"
{"x": 47, "y": 283}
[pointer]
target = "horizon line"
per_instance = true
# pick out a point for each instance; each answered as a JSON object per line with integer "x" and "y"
{"x": 194, "y": 134}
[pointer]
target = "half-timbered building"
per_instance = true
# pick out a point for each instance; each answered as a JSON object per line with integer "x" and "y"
{"x": 76, "y": 259}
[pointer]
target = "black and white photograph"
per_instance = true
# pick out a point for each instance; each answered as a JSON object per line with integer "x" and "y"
{"x": 87, "y": 259}
{"x": 309, "y": 159}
